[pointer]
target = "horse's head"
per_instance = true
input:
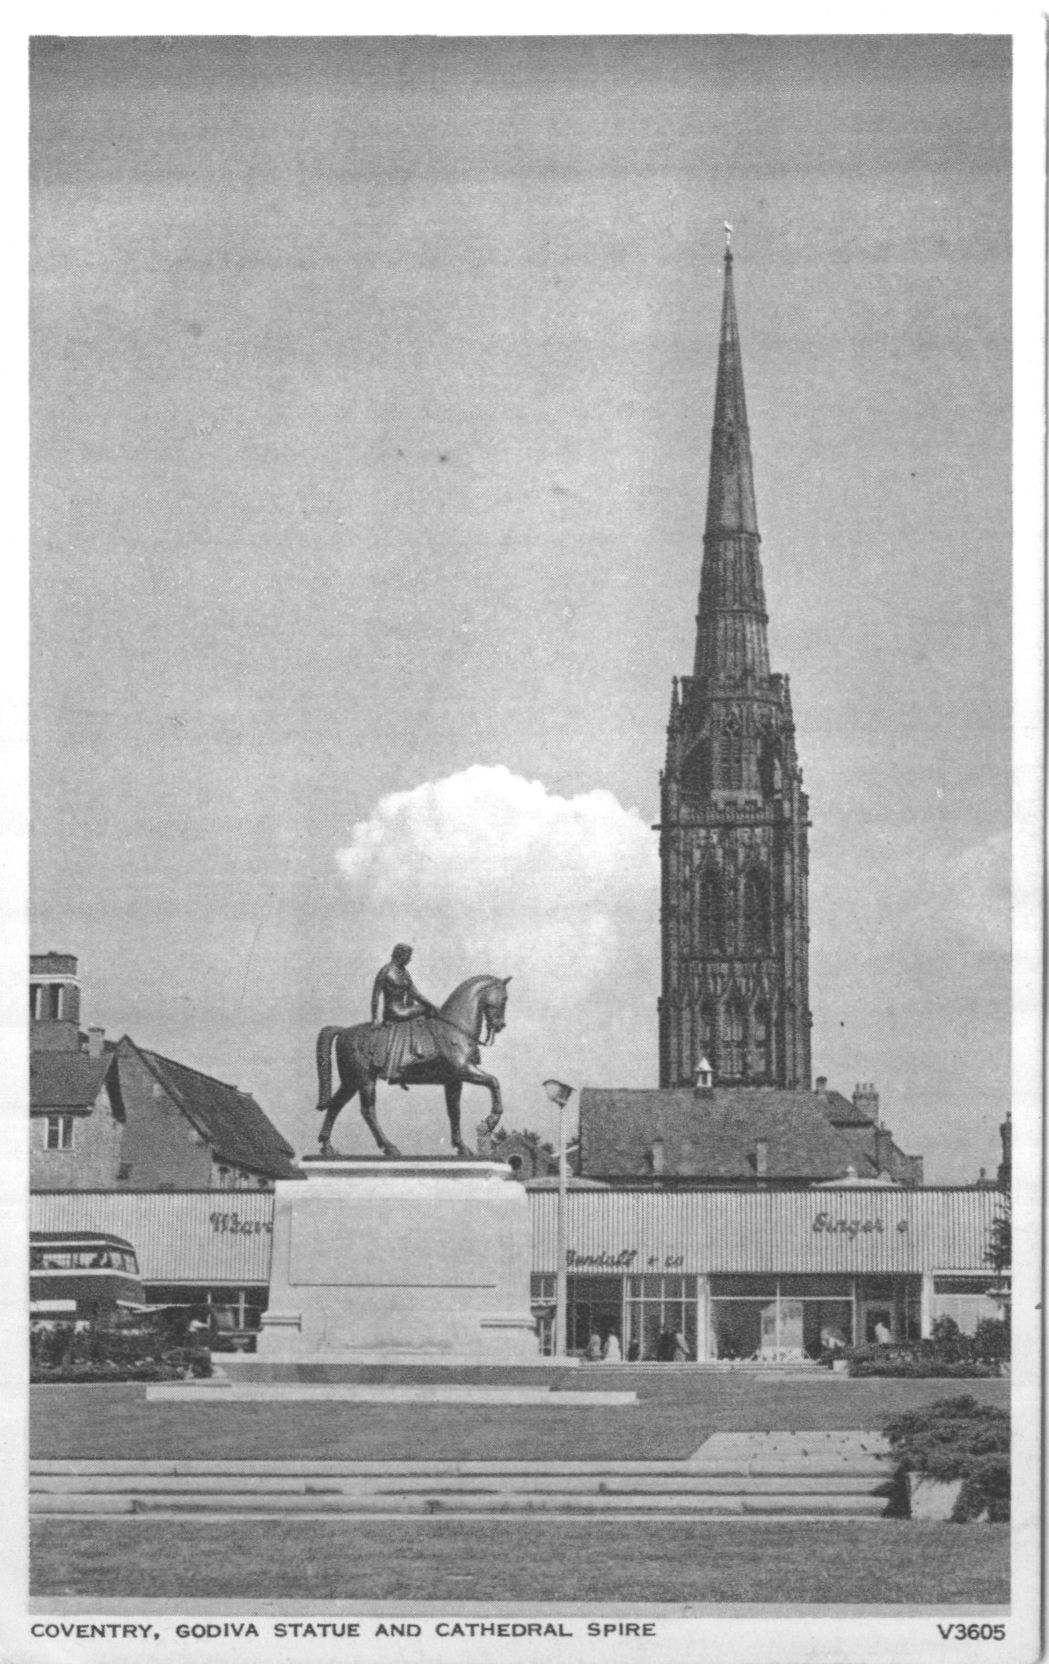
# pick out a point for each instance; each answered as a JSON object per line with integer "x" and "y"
{"x": 493, "y": 1008}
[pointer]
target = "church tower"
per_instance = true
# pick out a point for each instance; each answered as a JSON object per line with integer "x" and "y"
{"x": 733, "y": 832}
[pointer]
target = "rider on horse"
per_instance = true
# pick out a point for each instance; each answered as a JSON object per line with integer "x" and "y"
{"x": 395, "y": 995}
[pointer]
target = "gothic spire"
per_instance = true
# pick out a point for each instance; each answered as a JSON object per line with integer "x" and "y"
{"x": 730, "y": 501}
{"x": 731, "y": 624}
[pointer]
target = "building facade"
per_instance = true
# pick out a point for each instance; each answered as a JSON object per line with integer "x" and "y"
{"x": 105, "y": 1113}
{"x": 764, "y": 1275}
{"x": 734, "y": 817}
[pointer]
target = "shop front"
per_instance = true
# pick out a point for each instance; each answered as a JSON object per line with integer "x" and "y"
{"x": 766, "y": 1276}
{"x": 705, "y": 1274}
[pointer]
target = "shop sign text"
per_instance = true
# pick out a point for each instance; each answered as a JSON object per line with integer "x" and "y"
{"x": 853, "y": 1227}
{"x": 627, "y": 1259}
{"x": 231, "y": 1224}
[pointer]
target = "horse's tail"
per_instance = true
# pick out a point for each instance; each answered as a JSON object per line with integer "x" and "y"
{"x": 324, "y": 1044}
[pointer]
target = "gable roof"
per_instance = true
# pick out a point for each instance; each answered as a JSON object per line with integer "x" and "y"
{"x": 712, "y": 1136}
{"x": 841, "y": 1111}
{"x": 237, "y": 1128}
{"x": 69, "y": 1080}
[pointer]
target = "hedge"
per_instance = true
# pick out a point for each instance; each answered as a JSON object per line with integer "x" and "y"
{"x": 958, "y": 1438}
{"x": 63, "y": 1353}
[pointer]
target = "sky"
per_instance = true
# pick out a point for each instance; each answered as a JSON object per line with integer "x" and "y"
{"x": 371, "y": 390}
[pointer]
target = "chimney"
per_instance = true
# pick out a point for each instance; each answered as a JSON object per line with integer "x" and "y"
{"x": 883, "y": 1150}
{"x": 821, "y": 1083}
{"x": 865, "y": 1100}
{"x": 1005, "y": 1166}
{"x": 95, "y": 1039}
{"x": 761, "y": 1157}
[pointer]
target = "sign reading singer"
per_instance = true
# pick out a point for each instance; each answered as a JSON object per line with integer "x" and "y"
{"x": 853, "y": 1227}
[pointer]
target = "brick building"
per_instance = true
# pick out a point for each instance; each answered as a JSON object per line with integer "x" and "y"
{"x": 114, "y": 1114}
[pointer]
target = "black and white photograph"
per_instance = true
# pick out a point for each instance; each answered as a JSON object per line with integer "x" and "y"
{"x": 533, "y": 875}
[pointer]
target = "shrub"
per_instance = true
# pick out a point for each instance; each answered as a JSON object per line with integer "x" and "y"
{"x": 958, "y": 1438}
{"x": 947, "y": 1352}
{"x": 64, "y": 1353}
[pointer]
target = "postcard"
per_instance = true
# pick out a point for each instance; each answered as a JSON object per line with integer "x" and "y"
{"x": 535, "y": 849}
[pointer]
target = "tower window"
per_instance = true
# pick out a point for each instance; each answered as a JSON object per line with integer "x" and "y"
{"x": 734, "y": 1026}
{"x": 711, "y": 931}
{"x": 708, "y": 1033}
{"x": 755, "y": 913}
{"x": 759, "y": 1040}
{"x": 730, "y": 760}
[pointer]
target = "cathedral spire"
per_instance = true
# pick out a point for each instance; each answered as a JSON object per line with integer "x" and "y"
{"x": 734, "y": 821}
{"x": 730, "y": 500}
{"x": 731, "y": 637}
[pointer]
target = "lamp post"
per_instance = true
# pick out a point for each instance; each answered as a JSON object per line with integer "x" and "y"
{"x": 559, "y": 1094}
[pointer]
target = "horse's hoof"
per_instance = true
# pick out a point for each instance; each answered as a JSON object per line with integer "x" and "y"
{"x": 392, "y": 1153}
{"x": 464, "y": 1150}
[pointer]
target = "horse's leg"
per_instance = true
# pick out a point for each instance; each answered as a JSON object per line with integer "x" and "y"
{"x": 371, "y": 1119}
{"x": 453, "y": 1091}
{"x": 336, "y": 1102}
{"x": 478, "y": 1077}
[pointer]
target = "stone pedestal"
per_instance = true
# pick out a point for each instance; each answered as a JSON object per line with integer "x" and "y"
{"x": 400, "y": 1261}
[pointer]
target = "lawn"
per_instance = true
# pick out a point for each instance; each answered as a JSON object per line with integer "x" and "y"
{"x": 674, "y": 1416}
{"x": 533, "y": 1560}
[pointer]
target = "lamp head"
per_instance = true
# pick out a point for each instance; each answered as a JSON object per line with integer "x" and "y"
{"x": 557, "y": 1092}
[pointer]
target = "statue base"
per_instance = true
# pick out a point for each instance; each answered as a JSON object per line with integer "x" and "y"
{"x": 414, "y": 1260}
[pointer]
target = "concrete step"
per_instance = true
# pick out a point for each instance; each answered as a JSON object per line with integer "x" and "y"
{"x": 689, "y": 1484}
{"x": 239, "y": 1505}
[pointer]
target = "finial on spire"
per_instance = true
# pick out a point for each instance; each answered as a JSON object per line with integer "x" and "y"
{"x": 728, "y": 241}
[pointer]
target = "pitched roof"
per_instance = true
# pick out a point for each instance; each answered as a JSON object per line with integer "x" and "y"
{"x": 712, "y": 1136}
{"x": 841, "y": 1111}
{"x": 238, "y": 1129}
{"x": 66, "y": 1080}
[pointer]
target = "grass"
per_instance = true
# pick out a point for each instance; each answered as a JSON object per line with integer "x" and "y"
{"x": 502, "y": 1560}
{"x": 673, "y": 1417}
{"x": 535, "y": 1560}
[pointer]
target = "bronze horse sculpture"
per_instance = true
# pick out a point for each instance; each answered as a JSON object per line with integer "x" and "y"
{"x": 470, "y": 1017}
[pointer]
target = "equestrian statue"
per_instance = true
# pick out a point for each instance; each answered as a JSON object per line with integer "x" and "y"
{"x": 412, "y": 1042}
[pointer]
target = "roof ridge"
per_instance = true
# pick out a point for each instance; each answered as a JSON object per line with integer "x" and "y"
{"x": 191, "y": 1069}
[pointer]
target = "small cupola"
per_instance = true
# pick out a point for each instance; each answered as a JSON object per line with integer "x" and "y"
{"x": 704, "y": 1078}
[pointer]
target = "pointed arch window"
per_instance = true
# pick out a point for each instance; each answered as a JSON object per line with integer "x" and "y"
{"x": 735, "y": 1023}
{"x": 759, "y": 1040}
{"x": 730, "y": 758}
{"x": 711, "y": 912}
{"x": 697, "y": 771}
{"x": 756, "y": 921}
{"x": 708, "y": 1033}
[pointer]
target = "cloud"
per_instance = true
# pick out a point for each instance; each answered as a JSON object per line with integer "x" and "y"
{"x": 487, "y": 871}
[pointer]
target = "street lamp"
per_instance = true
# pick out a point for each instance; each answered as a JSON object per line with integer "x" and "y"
{"x": 559, "y": 1094}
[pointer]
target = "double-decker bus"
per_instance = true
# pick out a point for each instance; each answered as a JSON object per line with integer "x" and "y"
{"x": 82, "y": 1276}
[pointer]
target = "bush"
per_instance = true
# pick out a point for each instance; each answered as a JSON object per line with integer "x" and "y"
{"x": 946, "y": 1353}
{"x": 958, "y": 1438}
{"x": 65, "y": 1353}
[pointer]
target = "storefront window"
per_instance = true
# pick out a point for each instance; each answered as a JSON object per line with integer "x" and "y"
{"x": 595, "y": 1307}
{"x": 771, "y": 1318}
{"x": 544, "y": 1310}
{"x": 660, "y": 1319}
{"x": 966, "y": 1300}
